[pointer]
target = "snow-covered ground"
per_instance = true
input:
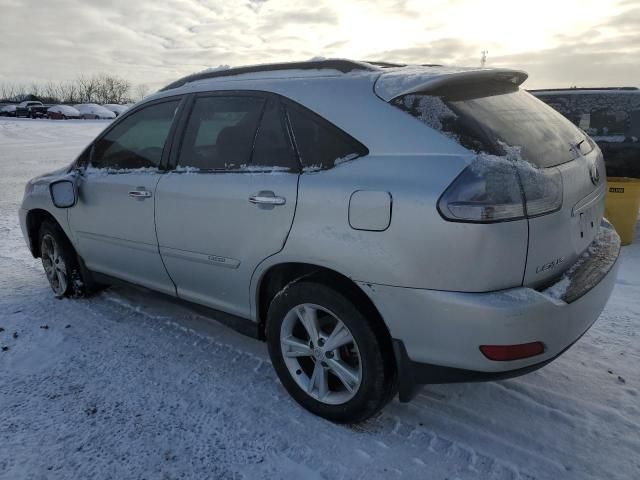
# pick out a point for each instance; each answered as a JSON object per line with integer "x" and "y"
{"x": 128, "y": 385}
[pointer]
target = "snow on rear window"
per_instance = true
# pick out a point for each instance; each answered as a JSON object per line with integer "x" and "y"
{"x": 430, "y": 110}
{"x": 481, "y": 117}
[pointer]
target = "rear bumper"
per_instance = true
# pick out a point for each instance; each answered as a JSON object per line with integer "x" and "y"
{"x": 414, "y": 374}
{"x": 437, "y": 334}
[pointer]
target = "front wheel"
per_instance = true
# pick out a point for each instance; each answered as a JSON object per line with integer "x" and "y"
{"x": 327, "y": 354}
{"x": 60, "y": 262}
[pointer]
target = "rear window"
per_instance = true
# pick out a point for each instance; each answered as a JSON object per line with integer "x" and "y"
{"x": 487, "y": 118}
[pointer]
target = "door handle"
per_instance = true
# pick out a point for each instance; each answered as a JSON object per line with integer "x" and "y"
{"x": 139, "y": 194}
{"x": 263, "y": 198}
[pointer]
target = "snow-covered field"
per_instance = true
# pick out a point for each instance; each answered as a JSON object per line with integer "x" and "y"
{"x": 128, "y": 385}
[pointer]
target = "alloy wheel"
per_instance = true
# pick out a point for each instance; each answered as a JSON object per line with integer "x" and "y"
{"x": 321, "y": 354}
{"x": 54, "y": 265}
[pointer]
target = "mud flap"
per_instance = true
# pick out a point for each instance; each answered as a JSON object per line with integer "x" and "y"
{"x": 408, "y": 387}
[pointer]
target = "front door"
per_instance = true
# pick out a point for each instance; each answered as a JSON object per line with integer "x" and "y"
{"x": 229, "y": 203}
{"x": 113, "y": 221}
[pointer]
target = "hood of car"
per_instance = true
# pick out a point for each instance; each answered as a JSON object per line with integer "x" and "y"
{"x": 46, "y": 177}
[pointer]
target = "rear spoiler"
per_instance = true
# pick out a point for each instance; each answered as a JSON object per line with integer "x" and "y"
{"x": 408, "y": 80}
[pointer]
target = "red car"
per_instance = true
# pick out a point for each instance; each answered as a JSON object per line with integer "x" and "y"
{"x": 62, "y": 112}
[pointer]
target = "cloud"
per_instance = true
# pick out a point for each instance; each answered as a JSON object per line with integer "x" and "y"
{"x": 153, "y": 42}
{"x": 585, "y": 60}
{"x": 443, "y": 51}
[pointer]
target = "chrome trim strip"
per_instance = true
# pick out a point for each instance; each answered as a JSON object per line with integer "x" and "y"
{"x": 196, "y": 257}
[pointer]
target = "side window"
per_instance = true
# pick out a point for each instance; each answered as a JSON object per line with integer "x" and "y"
{"x": 138, "y": 140}
{"x": 273, "y": 148}
{"x": 220, "y": 132}
{"x": 320, "y": 144}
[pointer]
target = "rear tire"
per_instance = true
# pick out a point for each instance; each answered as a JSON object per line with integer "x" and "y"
{"x": 60, "y": 261}
{"x": 345, "y": 384}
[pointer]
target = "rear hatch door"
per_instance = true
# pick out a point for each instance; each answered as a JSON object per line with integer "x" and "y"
{"x": 486, "y": 111}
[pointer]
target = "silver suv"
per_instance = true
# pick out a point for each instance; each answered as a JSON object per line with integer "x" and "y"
{"x": 381, "y": 226}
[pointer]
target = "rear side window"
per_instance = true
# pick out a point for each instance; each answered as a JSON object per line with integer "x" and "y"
{"x": 320, "y": 144}
{"x": 138, "y": 140}
{"x": 273, "y": 148}
{"x": 486, "y": 118}
{"x": 220, "y": 132}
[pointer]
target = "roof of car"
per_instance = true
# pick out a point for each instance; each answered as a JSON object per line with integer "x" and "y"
{"x": 311, "y": 68}
{"x": 395, "y": 78}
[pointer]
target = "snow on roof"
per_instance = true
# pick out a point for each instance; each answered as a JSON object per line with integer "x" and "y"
{"x": 93, "y": 108}
{"x": 313, "y": 68}
{"x": 114, "y": 107}
{"x": 64, "y": 109}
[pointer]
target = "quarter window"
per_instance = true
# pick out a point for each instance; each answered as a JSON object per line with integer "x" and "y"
{"x": 138, "y": 140}
{"x": 220, "y": 132}
{"x": 320, "y": 144}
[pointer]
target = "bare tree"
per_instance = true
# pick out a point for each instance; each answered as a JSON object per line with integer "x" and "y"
{"x": 140, "y": 91}
{"x": 100, "y": 88}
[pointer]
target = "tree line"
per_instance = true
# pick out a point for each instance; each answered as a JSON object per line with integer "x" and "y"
{"x": 100, "y": 88}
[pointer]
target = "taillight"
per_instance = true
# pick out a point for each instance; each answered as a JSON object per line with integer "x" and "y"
{"x": 494, "y": 189}
{"x": 542, "y": 189}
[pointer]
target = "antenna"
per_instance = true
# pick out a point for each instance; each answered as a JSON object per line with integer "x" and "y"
{"x": 483, "y": 59}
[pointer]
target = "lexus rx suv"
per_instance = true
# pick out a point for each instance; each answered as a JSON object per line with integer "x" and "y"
{"x": 380, "y": 226}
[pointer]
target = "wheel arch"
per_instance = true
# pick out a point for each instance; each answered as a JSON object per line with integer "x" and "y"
{"x": 35, "y": 218}
{"x": 278, "y": 276}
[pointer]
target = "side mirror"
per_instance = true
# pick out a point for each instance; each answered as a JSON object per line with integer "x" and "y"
{"x": 63, "y": 193}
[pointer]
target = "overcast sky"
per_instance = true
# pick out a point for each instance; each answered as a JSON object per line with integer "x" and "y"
{"x": 559, "y": 42}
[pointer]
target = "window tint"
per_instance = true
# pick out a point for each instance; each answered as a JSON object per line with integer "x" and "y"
{"x": 485, "y": 118}
{"x": 320, "y": 144}
{"x": 138, "y": 140}
{"x": 220, "y": 132}
{"x": 273, "y": 146}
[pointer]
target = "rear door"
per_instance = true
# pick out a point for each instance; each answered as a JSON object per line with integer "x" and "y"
{"x": 113, "y": 220}
{"x": 230, "y": 201}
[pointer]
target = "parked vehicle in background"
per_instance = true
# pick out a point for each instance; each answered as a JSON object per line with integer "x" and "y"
{"x": 63, "y": 112}
{"x": 117, "y": 109}
{"x": 611, "y": 117}
{"x": 93, "y": 111}
{"x": 8, "y": 111}
{"x": 31, "y": 109}
{"x": 378, "y": 227}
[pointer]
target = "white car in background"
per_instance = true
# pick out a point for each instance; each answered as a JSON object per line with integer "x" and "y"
{"x": 93, "y": 111}
{"x": 115, "y": 108}
{"x": 8, "y": 111}
{"x": 63, "y": 112}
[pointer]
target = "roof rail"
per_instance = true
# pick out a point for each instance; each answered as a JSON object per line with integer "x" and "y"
{"x": 384, "y": 64}
{"x": 394, "y": 64}
{"x": 581, "y": 89}
{"x": 344, "y": 66}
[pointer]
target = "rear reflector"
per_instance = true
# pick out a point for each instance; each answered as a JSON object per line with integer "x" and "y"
{"x": 503, "y": 353}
